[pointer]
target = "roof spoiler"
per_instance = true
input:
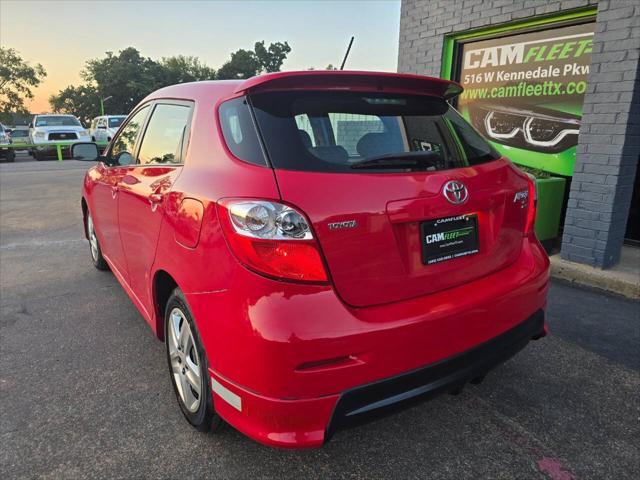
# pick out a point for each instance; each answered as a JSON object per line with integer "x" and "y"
{"x": 349, "y": 80}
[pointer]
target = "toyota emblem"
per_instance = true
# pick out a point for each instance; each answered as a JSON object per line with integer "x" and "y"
{"x": 455, "y": 192}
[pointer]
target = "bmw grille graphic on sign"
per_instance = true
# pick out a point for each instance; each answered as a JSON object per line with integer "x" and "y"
{"x": 449, "y": 238}
{"x": 524, "y": 93}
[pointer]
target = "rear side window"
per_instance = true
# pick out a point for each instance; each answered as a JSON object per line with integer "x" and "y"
{"x": 239, "y": 131}
{"x": 162, "y": 142}
{"x": 347, "y": 131}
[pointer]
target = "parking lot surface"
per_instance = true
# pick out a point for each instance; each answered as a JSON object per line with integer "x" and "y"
{"x": 84, "y": 391}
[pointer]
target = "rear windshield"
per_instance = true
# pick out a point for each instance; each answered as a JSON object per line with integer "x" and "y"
{"x": 348, "y": 132}
{"x": 57, "y": 121}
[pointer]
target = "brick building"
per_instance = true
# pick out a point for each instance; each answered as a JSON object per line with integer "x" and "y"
{"x": 594, "y": 141}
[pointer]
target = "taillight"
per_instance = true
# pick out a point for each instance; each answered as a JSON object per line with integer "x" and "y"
{"x": 272, "y": 239}
{"x": 532, "y": 200}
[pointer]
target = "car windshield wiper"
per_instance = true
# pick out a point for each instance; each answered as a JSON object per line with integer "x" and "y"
{"x": 415, "y": 160}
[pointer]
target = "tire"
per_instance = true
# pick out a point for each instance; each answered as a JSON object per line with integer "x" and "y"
{"x": 11, "y": 156}
{"x": 94, "y": 246}
{"x": 184, "y": 353}
{"x": 39, "y": 155}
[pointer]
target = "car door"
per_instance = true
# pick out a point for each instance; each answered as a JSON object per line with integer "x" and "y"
{"x": 143, "y": 189}
{"x": 104, "y": 194}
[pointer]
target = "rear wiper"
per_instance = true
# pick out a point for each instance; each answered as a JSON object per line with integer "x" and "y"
{"x": 416, "y": 160}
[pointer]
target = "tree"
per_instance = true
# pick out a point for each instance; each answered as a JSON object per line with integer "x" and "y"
{"x": 243, "y": 64}
{"x": 127, "y": 78}
{"x": 271, "y": 59}
{"x": 17, "y": 79}
{"x": 248, "y": 63}
{"x": 181, "y": 69}
{"x": 82, "y": 101}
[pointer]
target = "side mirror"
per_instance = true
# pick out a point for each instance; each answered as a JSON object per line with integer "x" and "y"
{"x": 31, "y": 125}
{"x": 87, "y": 152}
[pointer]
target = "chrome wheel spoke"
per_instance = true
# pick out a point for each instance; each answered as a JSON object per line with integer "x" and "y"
{"x": 185, "y": 340}
{"x": 176, "y": 368}
{"x": 174, "y": 329}
{"x": 193, "y": 376}
{"x": 180, "y": 384}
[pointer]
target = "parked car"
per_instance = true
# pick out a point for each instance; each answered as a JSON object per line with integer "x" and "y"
{"x": 6, "y": 153}
{"x": 45, "y": 131}
{"x": 104, "y": 128}
{"x": 20, "y": 135}
{"x": 316, "y": 248}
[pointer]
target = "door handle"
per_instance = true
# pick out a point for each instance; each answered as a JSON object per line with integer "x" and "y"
{"x": 155, "y": 199}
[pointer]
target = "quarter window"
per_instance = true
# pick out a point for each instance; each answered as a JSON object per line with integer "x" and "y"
{"x": 162, "y": 142}
{"x": 239, "y": 131}
{"x": 122, "y": 152}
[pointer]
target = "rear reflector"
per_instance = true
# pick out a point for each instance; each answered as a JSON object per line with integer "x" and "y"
{"x": 328, "y": 363}
{"x": 531, "y": 207}
{"x": 227, "y": 395}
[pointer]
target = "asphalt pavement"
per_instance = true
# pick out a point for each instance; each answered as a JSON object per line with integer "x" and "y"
{"x": 84, "y": 390}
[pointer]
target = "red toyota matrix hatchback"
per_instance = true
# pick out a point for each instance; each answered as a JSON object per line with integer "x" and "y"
{"x": 316, "y": 248}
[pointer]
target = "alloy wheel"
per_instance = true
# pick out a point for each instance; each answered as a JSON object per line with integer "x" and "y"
{"x": 184, "y": 360}
{"x": 93, "y": 240}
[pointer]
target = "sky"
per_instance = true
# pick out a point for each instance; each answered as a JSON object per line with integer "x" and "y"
{"x": 62, "y": 35}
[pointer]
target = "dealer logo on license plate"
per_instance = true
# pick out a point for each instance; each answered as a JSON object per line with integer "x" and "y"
{"x": 449, "y": 238}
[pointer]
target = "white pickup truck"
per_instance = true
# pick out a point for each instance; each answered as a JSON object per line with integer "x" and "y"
{"x": 47, "y": 130}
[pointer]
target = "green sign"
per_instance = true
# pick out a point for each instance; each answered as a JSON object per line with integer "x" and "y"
{"x": 524, "y": 93}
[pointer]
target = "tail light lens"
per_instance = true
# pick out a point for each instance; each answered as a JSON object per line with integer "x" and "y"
{"x": 272, "y": 239}
{"x": 532, "y": 200}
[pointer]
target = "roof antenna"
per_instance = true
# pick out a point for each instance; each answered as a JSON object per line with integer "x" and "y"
{"x": 344, "y": 60}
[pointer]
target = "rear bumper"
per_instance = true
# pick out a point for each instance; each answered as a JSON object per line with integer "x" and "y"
{"x": 294, "y": 354}
{"x": 312, "y": 422}
{"x": 379, "y": 398}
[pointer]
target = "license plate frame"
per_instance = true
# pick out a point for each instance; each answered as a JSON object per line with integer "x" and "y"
{"x": 448, "y": 238}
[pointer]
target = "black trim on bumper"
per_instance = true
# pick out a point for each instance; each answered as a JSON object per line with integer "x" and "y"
{"x": 376, "y": 399}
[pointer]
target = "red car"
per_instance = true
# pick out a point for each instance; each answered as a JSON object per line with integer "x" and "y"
{"x": 316, "y": 248}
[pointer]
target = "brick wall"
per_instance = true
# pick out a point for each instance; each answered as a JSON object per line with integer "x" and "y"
{"x": 609, "y": 141}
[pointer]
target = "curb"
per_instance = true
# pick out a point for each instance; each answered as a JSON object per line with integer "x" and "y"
{"x": 621, "y": 283}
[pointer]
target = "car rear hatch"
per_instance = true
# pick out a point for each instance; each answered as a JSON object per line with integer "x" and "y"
{"x": 404, "y": 196}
